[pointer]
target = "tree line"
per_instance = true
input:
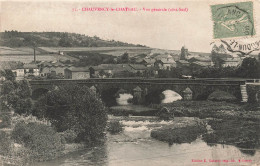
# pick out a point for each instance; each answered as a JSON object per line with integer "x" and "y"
{"x": 56, "y": 39}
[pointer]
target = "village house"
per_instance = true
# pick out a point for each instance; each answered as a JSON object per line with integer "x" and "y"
{"x": 109, "y": 70}
{"x": 148, "y": 62}
{"x": 165, "y": 64}
{"x": 76, "y": 73}
{"x": 30, "y": 69}
{"x": 182, "y": 63}
{"x": 231, "y": 62}
{"x": 53, "y": 68}
{"x": 116, "y": 70}
{"x": 203, "y": 61}
{"x": 198, "y": 65}
{"x": 15, "y": 67}
{"x": 137, "y": 68}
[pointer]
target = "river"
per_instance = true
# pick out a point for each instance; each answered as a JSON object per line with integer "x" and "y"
{"x": 135, "y": 147}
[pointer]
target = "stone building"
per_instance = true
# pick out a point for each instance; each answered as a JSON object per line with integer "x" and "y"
{"x": 76, "y": 73}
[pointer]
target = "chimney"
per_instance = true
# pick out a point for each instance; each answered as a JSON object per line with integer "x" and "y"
{"x": 34, "y": 56}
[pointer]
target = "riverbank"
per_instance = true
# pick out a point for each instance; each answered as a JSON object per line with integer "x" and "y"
{"x": 135, "y": 110}
{"x": 183, "y": 132}
{"x": 211, "y": 109}
{"x": 243, "y": 134}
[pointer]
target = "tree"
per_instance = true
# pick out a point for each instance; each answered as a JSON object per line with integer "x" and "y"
{"x": 24, "y": 89}
{"x": 77, "y": 108}
{"x": 249, "y": 68}
{"x": 125, "y": 58}
{"x": 218, "y": 62}
{"x": 23, "y": 106}
{"x": 65, "y": 42}
{"x": 7, "y": 87}
{"x": 9, "y": 75}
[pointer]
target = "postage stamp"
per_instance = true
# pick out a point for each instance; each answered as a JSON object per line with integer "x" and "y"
{"x": 233, "y": 20}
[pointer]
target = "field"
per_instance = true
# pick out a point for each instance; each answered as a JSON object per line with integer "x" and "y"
{"x": 41, "y": 57}
{"x": 16, "y": 51}
{"x": 25, "y": 55}
{"x": 115, "y": 51}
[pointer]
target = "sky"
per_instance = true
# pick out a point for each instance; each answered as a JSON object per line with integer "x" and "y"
{"x": 161, "y": 29}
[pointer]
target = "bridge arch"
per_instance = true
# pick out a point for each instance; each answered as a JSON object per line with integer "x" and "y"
{"x": 171, "y": 96}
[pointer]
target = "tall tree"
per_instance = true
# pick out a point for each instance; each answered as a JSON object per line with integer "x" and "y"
{"x": 249, "y": 68}
{"x": 74, "y": 107}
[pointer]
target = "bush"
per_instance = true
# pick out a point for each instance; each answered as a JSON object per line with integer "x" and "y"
{"x": 115, "y": 127}
{"x": 5, "y": 143}
{"x": 75, "y": 107}
{"x": 69, "y": 136}
{"x": 6, "y": 120}
{"x": 43, "y": 141}
{"x": 222, "y": 96}
{"x": 184, "y": 134}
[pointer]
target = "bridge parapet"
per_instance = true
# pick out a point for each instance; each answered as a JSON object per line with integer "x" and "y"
{"x": 198, "y": 86}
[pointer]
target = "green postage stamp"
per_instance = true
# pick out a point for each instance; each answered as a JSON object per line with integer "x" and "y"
{"x": 233, "y": 20}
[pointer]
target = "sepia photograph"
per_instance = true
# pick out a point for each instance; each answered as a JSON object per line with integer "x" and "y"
{"x": 129, "y": 83}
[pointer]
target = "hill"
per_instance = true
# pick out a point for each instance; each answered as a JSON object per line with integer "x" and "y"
{"x": 56, "y": 39}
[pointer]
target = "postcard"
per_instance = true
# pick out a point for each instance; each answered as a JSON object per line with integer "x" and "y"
{"x": 130, "y": 83}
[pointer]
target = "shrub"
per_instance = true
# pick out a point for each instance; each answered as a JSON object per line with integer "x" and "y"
{"x": 221, "y": 96}
{"x": 69, "y": 136}
{"x": 184, "y": 134}
{"x": 43, "y": 141}
{"x": 75, "y": 107}
{"x": 6, "y": 120}
{"x": 115, "y": 127}
{"x": 5, "y": 143}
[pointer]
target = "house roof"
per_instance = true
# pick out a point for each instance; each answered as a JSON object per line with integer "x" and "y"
{"x": 202, "y": 64}
{"x": 137, "y": 66}
{"x": 199, "y": 54}
{"x": 108, "y": 66}
{"x": 58, "y": 64}
{"x": 149, "y": 61}
{"x": 183, "y": 62}
{"x": 203, "y": 59}
{"x": 232, "y": 60}
{"x": 114, "y": 67}
{"x": 10, "y": 65}
{"x": 30, "y": 66}
{"x": 162, "y": 56}
{"x": 167, "y": 61}
{"x": 54, "y": 64}
{"x": 78, "y": 69}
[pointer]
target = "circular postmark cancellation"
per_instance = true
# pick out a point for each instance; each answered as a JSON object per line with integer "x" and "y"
{"x": 233, "y": 20}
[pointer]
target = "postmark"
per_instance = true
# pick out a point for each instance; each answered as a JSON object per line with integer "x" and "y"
{"x": 233, "y": 20}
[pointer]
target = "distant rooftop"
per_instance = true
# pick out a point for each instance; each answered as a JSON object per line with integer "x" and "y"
{"x": 30, "y": 66}
{"x": 78, "y": 69}
{"x": 167, "y": 61}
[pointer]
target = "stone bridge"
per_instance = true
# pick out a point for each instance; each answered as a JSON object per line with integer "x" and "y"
{"x": 109, "y": 87}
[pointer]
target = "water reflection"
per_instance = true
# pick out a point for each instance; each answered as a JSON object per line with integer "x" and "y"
{"x": 135, "y": 147}
{"x": 124, "y": 98}
{"x": 170, "y": 96}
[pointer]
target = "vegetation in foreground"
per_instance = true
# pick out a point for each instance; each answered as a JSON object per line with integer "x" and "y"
{"x": 242, "y": 133}
{"x": 211, "y": 109}
{"x": 68, "y": 114}
{"x": 115, "y": 127}
{"x": 183, "y": 134}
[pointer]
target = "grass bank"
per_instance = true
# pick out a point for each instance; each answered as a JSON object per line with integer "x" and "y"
{"x": 185, "y": 132}
{"x": 211, "y": 109}
{"x": 135, "y": 110}
{"x": 242, "y": 133}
